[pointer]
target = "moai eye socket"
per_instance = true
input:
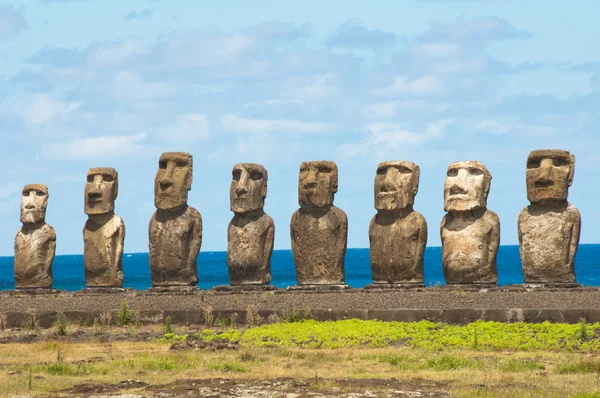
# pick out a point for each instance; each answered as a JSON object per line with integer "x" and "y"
{"x": 404, "y": 170}
{"x": 90, "y": 178}
{"x": 39, "y": 192}
{"x": 162, "y": 164}
{"x": 256, "y": 175}
{"x": 236, "y": 174}
{"x": 108, "y": 178}
{"x": 534, "y": 163}
{"x": 476, "y": 172}
{"x": 452, "y": 173}
{"x": 559, "y": 162}
{"x": 325, "y": 169}
{"x": 381, "y": 171}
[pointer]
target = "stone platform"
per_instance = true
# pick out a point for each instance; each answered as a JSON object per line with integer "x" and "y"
{"x": 438, "y": 304}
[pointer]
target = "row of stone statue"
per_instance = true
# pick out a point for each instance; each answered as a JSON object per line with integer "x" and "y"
{"x": 548, "y": 228}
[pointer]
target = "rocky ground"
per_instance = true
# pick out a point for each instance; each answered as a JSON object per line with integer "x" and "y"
{"x": 279, "y": 388}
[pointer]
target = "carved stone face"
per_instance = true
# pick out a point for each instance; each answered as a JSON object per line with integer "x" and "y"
{"x": 317, "y": 184}
{"x": 248, "y": 188}
{"x": 467, "y": 186}
{"x": 549, "y": 175}
{"x": 396, "y": 185}
{"x": 33, "y": 203}
{"x": 101, "y": 190}
{"x": 173, "y": 180}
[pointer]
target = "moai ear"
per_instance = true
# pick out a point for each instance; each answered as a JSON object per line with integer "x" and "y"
{"x": 334, "y": 178}
{"x": 416, "y": 176}
{"x": 266, "y": 178}
{"x": 116, "y": 185}
{"x": 572, "y": 168}
{"x": 190, "y": 179}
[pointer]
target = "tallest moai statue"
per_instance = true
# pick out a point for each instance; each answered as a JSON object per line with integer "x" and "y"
{"x": 549, "y": 227}
{"x": 175, "y": 228}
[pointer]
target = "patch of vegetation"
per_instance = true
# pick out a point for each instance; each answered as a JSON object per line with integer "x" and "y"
{"x": 425, "y": 334}
{"x": 400, "y": 361}
{"x": 209, "y": 335}
{"x": 61, "y": 325}
{"x": 519, "y": 365}
{"x": 162, "y": 362}
{"x": 168, "y": 326}
{"x": 124, "y": 315}
{"x": 585, "y": 365}
{"x": 225, "y": 366}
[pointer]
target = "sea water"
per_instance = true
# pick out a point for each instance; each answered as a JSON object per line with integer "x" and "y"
{"x": 212, "y": 268}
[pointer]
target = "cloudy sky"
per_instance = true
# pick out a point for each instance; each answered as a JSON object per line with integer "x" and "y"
{"x": 87, "y": 83}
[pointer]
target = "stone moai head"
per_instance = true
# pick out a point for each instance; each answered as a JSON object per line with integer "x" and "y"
{"x": 248, "y": 188}
{"x": 396, "y": 185}
{"x": 101, "y": 190}
{"x": 467, "y": 186}
{"x": 34, "y": 201}
{"x": 549, "y": 175}
{"x": 317, "y": 184}
{"x": 173, "y": 180}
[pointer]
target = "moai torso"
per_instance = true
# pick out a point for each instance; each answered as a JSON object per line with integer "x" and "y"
{"x": 397, "y": 233}
{"x": 319, "y": 245}
{"x": 103, "y": 251}
{"x": 175, "y": 229}
{"x": 35, "y": 242}
{"x": 34, "y": 254}
{"x": 104, "y": 231}
{"x": 397, "y": 249}
{"x": 549, "y": 227}
{"x": 319, "y": 230}
{"x": 469, "y": 248}
{"x": 249, "y": 249}
{"x": 251, "y": 232}
{"x": 470, "y": 232}
{"x": 175, "y": 240}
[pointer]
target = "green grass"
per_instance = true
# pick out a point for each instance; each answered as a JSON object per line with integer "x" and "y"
{"x": 519, "y": 365}
{"x": 585, "y": 365}
{"x": 481, "y": 335}
{"x": 225, "y": 366}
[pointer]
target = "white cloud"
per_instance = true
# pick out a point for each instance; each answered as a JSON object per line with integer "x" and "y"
{"x": 99, "y": 147}
{"x": 426, "y": 85}
{"x": 236, "y": 124}
{"x": 12, "y": 21}
{"x": 314, "y": 88}
{"x": 128, "y": 86}
{"x": 493, "y": 126}
{"x": 436, "y": 50}
{"x": 187, "y": 127}
{"x": 382, "y": 137}
{"x": 387, "y": 110}
{"x": 116, "y": 53}
{"x": 44, "y": 109}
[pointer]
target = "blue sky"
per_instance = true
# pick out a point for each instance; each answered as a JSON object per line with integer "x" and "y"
{"x": 86, "y": 83}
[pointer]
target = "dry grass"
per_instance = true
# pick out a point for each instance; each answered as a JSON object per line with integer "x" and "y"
{"x": 56, "y": 366}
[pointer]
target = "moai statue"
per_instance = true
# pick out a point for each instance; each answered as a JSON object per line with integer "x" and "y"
{"x": 251, "y": 232}
{"x": 318, "y": 229}
{"x": 549, "y": 227}
{"x": 35, "y": 243}
{"x": 470, "y": 232}
{"x": 104, "y": 231}
{"x": 175, "y": 228}
{"x": 397, "y": 233}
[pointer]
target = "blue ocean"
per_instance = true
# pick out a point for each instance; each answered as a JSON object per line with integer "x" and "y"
{"x": 212, "y": 268}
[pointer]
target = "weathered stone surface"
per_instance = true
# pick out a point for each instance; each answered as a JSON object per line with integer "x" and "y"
{"x": 549, "y": 227}
{"x": 104, "y": 231}
{"x": 175, "y": 228}
{"x": 35, "y": 242}
{"x": 318, "y": 229}
{"x": 470, "y": 232}
{"x": 397, "y": 233}
{"x": 251, "y": 232}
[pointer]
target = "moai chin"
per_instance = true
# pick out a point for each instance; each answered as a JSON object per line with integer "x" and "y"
{"x": 35, "y": 242}
{"x": 549, "y": 227}
{"x": 175, "y": 229}
{"x": 318, "y": 229}
{"x": 251, "y": 232}
{"x": 397, "y": 233}
{"x": 104, "y": 231}
{"x": 470, "y": 232}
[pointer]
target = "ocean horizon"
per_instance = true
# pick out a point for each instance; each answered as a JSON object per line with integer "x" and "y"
{"x": 212, "y": 268}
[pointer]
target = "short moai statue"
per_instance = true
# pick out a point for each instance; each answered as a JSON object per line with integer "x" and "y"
{"x": 397, "y": 233}
{"x": 104, "y": 231}
{"x": 318, "y": 229}
{"x": 251, "y": 232}
{"x": 175, "y": 229}
{"x": 470, "y": 232}
{"x": 549, "y": 227}
{"x": 35, "y": 242}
